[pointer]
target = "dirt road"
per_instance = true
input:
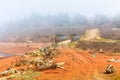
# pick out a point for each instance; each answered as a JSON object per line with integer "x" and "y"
{"x": 91, "y": 35}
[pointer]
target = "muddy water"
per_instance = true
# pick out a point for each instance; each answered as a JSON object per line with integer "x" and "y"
{"x": 5, "y": 55}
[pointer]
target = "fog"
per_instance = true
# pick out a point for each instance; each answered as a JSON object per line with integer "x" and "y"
{"x": 35, "y": 26}
{"x": 22, "y": 20}
{"x": 11, "y": 10}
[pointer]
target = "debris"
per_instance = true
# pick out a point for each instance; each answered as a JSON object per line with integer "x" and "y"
{"x": 101, "y": 51}
{"x": 114, "y": 60}
{"x": 8, "y": 77}
{"x": 48, "y": 65}
{"x": 21, "y": 62}
{"x": 8, "y": 72}
{"x": 40, "y": 59}
{"x": 60, "y": 65}
{"x": 110, "y": 69}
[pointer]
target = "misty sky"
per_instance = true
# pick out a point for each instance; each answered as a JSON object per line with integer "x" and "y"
{"x": 16, "y": 9}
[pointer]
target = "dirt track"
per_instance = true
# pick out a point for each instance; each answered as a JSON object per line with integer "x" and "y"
{"x": 92, "y": 34}
{"x": 79, "y": 66}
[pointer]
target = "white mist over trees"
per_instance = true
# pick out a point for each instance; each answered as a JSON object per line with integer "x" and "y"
{"x": 35, "y": 25}
{"x": 64, "y": 19}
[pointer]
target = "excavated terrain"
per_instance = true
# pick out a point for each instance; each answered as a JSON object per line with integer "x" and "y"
{"x": 112, "y": 47}
{"x": 80, "y": 65}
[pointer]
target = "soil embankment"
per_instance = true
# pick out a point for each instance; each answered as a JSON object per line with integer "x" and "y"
{"x": 112, "y": 47}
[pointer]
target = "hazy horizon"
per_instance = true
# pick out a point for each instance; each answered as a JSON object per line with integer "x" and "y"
{"x": 11, "y": 10}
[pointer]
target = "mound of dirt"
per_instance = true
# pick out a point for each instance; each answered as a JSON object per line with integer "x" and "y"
{"x": 105, "y": 46}
{"x": 110, "y": 33}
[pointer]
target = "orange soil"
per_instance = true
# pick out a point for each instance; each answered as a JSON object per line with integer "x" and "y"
{"x": 5, "y": 63}
{"x": 79, "y": 65}
{"x": 14, "y": 48}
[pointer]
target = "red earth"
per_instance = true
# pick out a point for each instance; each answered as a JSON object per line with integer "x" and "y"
{"x": 15, "y": 48}
{"x": 12, "y": 48}
{"x": 79, "y": 65}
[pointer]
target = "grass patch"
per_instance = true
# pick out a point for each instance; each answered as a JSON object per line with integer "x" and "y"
{"x": 112, "y": 54}
{"x": 117, "y": 77}
{"x": 85, "y": 35}
{"x": 73, "y": 44}
{"x": 98, "y": 76}
{"x": 28, "y": 75}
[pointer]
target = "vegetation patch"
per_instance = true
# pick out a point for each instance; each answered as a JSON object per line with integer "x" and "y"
{"x": 111, "y": 47}
{"x": 73, "y": 44}
{"x": 117, "y": 77}
{"x": 28, "y": 75}
{"x": 98, "y": 76}
{"x": 85, "y": 35}
{"x": 113, "y": 54}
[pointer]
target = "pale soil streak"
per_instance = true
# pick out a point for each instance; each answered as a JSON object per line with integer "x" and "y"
{"x": 92, "y": 34}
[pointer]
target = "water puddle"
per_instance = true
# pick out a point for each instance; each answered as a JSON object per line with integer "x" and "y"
{"x": 6, "y": 55}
